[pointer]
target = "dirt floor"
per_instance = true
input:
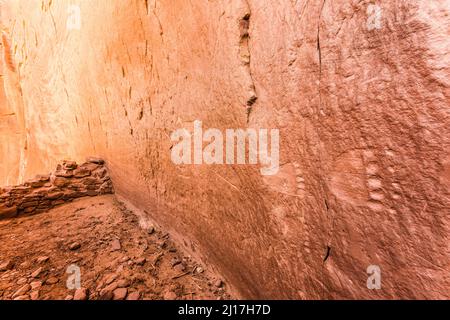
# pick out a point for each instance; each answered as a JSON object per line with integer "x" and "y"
{"x": 117, "y": 259}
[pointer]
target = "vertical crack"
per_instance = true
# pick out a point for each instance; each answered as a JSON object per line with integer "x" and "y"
{"x": 146, "y": 5}
{"x": 319, "y": 52}
{"x": 327, "y": 254}
{"x": 245, "y": 56}
{"x": 7, "y": 53}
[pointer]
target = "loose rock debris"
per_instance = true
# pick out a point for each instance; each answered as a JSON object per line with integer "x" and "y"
{"x": 116, "y": 258}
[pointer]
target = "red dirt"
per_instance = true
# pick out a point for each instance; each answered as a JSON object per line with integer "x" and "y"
{"x": 109, "y": 270}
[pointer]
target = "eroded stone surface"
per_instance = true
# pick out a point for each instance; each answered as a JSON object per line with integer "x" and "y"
{"x": 359, "y": 90}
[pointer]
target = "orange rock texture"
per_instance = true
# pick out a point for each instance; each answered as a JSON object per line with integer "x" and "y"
{"x": 358, "y": 89}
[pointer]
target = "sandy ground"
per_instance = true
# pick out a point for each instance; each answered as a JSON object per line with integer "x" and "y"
{"x": 117, "y": 259}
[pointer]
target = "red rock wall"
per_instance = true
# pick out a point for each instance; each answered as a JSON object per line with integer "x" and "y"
{"x": 360, "y": 95}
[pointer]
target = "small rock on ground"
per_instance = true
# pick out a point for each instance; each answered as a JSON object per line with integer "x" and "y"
{"x": 120, "y": 294}
{"x": 134, "y": 296}
{"x": 115, "y": 245}
{"x": 34, "y": 295}
{"x": 81, "y": 294}
{"x": 74, "y": 246}
{"x": 170, "y": 295}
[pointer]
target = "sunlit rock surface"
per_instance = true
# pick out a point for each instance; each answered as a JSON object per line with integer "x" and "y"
{"x": 360, "y": 93}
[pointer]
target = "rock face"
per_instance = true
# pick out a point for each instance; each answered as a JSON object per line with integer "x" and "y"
{"x": 44, "y": 192}
{"x": 358, "y": 89}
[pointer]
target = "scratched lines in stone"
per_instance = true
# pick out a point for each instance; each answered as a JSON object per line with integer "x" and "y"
{"x": 374, "y": 14}
{"x": 74, "y": 17}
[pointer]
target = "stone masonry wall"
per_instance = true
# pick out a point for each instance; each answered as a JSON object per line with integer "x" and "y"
{"x": 44, "y": 192}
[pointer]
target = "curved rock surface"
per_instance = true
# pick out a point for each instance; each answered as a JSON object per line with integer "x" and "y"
{"x": 358, "y": 89}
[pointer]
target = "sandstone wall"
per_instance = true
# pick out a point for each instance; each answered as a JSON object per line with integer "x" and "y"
{"x": 358, "y": 89}
{"x": 45, "y": 192}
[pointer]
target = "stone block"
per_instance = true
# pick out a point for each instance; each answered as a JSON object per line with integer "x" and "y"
{"x": 69, "y": 165}
{"x": 64, "y": 173}
{"x": 95, "y": 160}
{"x": 89, "y": 181}
{"x": 58, "y": 202}
{"x": 81, "y": 173}
{"x": 7, "y": 212}
{"x": 55, "y": 195}
{"x": 60, "y": 181}
{"x": 29, "y": 204}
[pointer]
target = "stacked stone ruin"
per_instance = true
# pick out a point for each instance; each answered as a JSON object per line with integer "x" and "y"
{"x": 44, "y": 192}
